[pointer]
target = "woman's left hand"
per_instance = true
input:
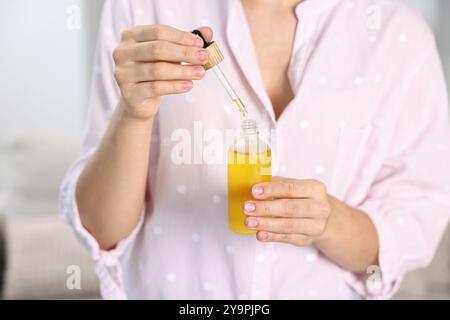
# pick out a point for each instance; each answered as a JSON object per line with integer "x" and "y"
{"x": 298, "y": 214}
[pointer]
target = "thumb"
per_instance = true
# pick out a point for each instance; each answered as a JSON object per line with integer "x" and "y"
{"x": 206, "y": 32}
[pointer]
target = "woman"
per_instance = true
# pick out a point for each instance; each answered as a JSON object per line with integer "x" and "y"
{"x": 355, "y": 99}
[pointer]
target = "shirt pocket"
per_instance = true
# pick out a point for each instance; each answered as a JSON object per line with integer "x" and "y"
{"x": 359, "y": 157}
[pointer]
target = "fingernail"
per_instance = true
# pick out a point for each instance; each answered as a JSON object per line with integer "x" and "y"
{"x": 257, "y": 191}
{"x": 262, "y": 235}
{"x": 202, "y": 55}
{"x": 198, "y": 42}
{"x": 199, "y": 71}
{"x": 251, "y": 223}
{"x": 249, "y": 207}
{"x": 187, "y": 85}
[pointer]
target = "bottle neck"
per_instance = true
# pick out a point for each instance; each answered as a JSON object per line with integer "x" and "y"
{"x": 248, "y": 140}
{"x": 249, "y": 127}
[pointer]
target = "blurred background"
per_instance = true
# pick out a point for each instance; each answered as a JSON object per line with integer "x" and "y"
{"x": 46, "y": 66}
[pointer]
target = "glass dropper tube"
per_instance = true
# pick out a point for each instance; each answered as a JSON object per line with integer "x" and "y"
{"x": 216, "y": 57}
{"x": 234, "y": 97}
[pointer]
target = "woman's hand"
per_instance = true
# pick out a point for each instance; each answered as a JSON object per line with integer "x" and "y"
{"x": 298, "y": 214}
{"x": 302, "y": 213}
{"x": 148, "y": 65}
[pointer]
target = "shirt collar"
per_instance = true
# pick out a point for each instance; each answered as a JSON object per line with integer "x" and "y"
{"x": 310, "y": 14}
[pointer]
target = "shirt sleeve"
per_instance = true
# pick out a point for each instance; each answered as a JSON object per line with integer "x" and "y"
{"x": 409, "y": 201}
{"x": 104, "y": 97}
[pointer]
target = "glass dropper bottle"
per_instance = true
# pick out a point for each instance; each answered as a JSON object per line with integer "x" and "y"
{"x": 249, "y": 162}
{"x": 215, "y": 58}
{"x": 249, "y": 158}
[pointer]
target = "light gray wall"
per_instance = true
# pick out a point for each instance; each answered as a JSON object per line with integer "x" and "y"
{"x": 44, "y": 81}
{"x": 45, "y": 67}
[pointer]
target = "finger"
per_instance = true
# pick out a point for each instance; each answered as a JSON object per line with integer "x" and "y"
{"x": 149, "y": 90}
{"x": 295, "y": 239}
{"x": 164, "y": 33}
{"x": 289, "y": 188}
{"x": 308, "y": 227}
{"x": 291, "y": 208}
{"x": 140, "y": 72}
{"x": 207, "y": 33}
{"x": 166, "y": 51}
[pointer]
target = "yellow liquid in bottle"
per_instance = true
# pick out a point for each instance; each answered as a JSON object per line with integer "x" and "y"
{"x": 244, "y": 170}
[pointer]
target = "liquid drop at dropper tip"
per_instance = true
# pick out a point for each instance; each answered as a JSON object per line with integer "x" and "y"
{"x": 240, "y": 106}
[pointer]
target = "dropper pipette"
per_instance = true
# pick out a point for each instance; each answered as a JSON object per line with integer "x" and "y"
{"x": 216, "y": 57}
{"x": 223, "y": 80}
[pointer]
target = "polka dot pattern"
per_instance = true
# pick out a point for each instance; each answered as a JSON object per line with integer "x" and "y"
{"x": 216, "y": 199}
{"x": 230, "y": 249}
{"x": 283, "y": 170}
{"x": 402, "y": 37}
{"x": 260, "y": 258}
{"x": 312, "y": 257}
{"x": 108, "y": 32}
{"x": 207, "y": 286}
{"x": 358, "y": 81}
{"x": 189, "y": 98}
{"x": 170, "y": 13}
{"x": 378, "y": 78}
{"x": 139, "y": 12}
{"x": 181, "y": 189}
{"x": 323, "y": 81}
{"x": 228, "y": 109}
{"x": 312, "y": 293}
{"x": 319, "y": 169}
{"x": 195, "y": 237}
{"x": 171, "y": 277}
{"x": 243, "y": 296}
{"x": 158, "y": 230}
{"x": 205, "y": 22}
{"x": 304, "y": 124}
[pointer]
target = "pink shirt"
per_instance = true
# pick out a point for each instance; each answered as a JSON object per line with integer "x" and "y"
{"x": 369, "y": 119}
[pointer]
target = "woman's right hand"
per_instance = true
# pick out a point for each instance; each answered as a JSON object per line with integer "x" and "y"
{"x": 148, "y": 66}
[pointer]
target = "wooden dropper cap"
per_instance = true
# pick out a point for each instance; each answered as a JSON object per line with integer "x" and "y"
{"x": 214, "y": 53}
